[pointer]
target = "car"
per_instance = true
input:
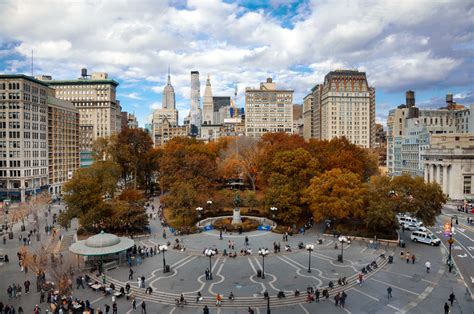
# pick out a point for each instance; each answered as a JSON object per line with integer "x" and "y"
{"x": 423, "y": 229}
{"x": 425, "y": 237}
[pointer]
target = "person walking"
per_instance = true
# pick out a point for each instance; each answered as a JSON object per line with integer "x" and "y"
{"x": 130, "y": 274}
{"x": 143, "y": 307}
{"x": 337, "y": 297}
{"x": 413, "y": 258}
{"x": 114, "y": 308}
{"x": 361, "y": 278}
{"x": 218, "y": 300}
{"x": 343, "y": 299}
{"x": 134, "y": 304}
{"x": 428, "y": 266}
{"x": 389, "y": 292}
{"x": 446, "y": 308}
{"x": 205, "y": 310}
{"x": 407, "y": 256}
{"x": 452, "y": 298}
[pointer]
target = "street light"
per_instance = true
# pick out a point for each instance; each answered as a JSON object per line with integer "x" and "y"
{"x": 273, "y": 209}
{"x": 263, "y": 252}
{"x": 199, "y": 210}
{"x": 342, "y": 240}
{"x": 309, "y": 248}
{"x": 451, "y": 240}
{"x": 210, "y": 253}
{"x": 163, "y": 248}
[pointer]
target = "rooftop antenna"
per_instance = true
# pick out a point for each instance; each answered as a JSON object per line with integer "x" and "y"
{"x": 32, "y": 68}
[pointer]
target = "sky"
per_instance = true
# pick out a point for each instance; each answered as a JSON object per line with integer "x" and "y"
{"x": 423, "y": 45}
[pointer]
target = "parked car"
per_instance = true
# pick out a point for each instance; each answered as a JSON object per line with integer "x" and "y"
{"x": 425, "y": 237}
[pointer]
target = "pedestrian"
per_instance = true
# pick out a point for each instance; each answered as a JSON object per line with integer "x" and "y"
{"x": 220, "y": 234}
{"x": 316, "y": 293}
{"x": 413, "y": 258}
{"x": 401, "y": 254}
{"x": 107, "y": 308}
{"x": 446, "y": 308}
{"x": 389, "y": 292}
{"x": 452, "y": 298}
{"x": 343, "y": 299}
{"x": 250, "y": 310}
{"x": 337, "y": 297}
{"x": 205, "y": 310}
{"x": 407, "y": 256}
{"x": 130, "y": 274}
{"x": 218, "y": 300}
{"x": 134, "y": 304}
{"x": 139, "y": 282}
{"x": 114, "y": 308}
{"x": 361, "y": 278}
{"x": 207, "y": 273}
{"x": 246, "y": 241}
{"x": 428, "y": 266}
{"x": 143, "y": 307}
{"x": 143, "y": 281}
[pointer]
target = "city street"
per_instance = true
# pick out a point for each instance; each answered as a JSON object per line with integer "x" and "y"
{"x": 413, "y": 288}
{"x": 463, "y": 245}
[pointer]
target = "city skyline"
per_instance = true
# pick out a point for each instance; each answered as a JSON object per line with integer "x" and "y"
{"x": 400, "y": 45}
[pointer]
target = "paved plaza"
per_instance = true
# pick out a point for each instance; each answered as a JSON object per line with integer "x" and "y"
{"x": 413, "y": 289}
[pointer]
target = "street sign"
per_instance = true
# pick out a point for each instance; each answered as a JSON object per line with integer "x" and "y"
{"x": 462, "y": 255}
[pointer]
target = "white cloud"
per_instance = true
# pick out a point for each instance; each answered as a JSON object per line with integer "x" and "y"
{"x": 134, "y": 95}
{"x": 401, "y": 44}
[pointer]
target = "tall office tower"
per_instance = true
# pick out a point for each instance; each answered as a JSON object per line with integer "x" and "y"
{"x": 207, "y": 106}
{"x": 63, "y": 142}
{"x": 221, "y": 104}
{"x": 169, "y": 101}
{"x": 166, "y": 116}
{"x": 268, "y": 109}
{"x": 38, "y": 138}
{"x": 100, "y": 112}
{"x": 344, "y": 105}
{"x": 195, "y": 113}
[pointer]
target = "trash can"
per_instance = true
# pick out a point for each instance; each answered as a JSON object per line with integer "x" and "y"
{"x": 259, "y": 273}
{"x": 339, "y": 258}
{"x": 401, "y": 244}
{"x": 167, "y": 268}
{"x": 390, "y": 259}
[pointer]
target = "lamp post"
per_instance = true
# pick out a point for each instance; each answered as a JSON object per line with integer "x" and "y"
{"x": 451, "y": 240}
{"x": 273, "y": 209}
{"x": 263, "y": 252}
{"x": 309, "y": 248}
{"x": 199, "y": 210}
{"x": 342, "y": 240}
{"x": 210, "y": 253}
{"x": 163, "y": 248}
{"x": 268, "y": 304}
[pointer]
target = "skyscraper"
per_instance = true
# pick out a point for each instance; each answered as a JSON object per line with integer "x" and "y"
{"x": 195, "y": 113}
{"x": 166, "y": 116}
{"x": 207, "y": 106}
{"x": 343, "y": 106}
{"x": 168, "y": 101}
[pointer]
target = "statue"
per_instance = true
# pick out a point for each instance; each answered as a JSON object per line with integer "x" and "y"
{"x": 236, "y": 219}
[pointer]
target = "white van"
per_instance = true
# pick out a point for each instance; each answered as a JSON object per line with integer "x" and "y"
{"x": 409, "y": 223}
{"x": 425, "y": 237}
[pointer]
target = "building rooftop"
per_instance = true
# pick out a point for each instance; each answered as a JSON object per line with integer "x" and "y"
{"x": 22, "y": 76}
{"x": 82, "y": 81}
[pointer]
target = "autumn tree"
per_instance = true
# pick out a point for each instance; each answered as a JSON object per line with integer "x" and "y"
{"x": 187, "y": 160}
{"x": 340, "y": 153}
{"x": 182, "y": 199}
{"x": 289, "y": 174}
{"x": 241, "y": 158}
{"x": 337, "y": 193}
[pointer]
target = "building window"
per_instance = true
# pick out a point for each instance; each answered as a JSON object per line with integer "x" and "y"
{"x": 467, "y": 184}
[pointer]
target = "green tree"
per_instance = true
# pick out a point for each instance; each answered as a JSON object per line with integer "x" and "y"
{"x": 337, "y": 193}
{"x": 282, "y": 195}
{"x": 182, "y": 199}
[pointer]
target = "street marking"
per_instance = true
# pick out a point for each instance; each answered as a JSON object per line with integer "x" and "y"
{"x": 393, "y": 307}
{"x": 403, "y": 275}
{"x": 462, "y": 256}
{"x": 304, "y": 309}
{"x": 367, "y": 295}
{"x": 462, "y": 233}
{"x": 399, "y": 288}
{"x": 172, "y": 310}
{"x": 97, "y": 300}
{"x": 470, "y": 248}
